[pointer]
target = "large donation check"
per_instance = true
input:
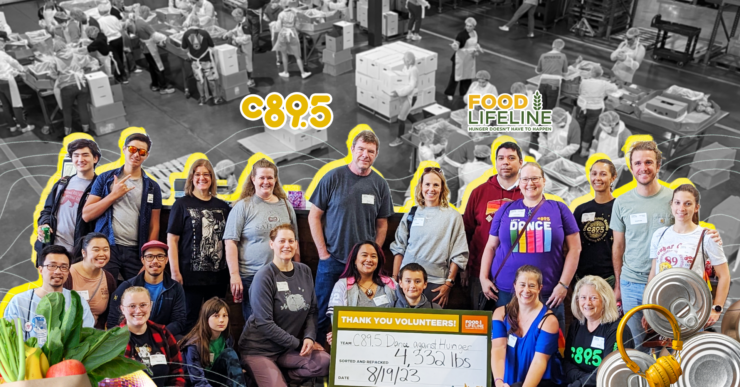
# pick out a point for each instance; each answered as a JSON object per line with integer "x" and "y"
{"x": 408, "y": 347}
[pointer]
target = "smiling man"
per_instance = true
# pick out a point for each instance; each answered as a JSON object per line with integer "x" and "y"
{"x": 126, "y": 204}
{"x": 62, "y": 212}
{"x": 168, "y": 296}
{"x": 357, "y": 203}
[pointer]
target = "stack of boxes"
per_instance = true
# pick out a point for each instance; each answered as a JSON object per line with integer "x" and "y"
{"x": 378, "y": 74}
{"x": 390, "y": 24}
{"x": 337, "y": 56}
{"x": 232, "y": 72}
{"x": 362, "y": 13}
{"x": 298, "y": 139}
{"x": 106, "y": 104}
{"x": 712, "y": 165}
{"x": 724, "y": 217}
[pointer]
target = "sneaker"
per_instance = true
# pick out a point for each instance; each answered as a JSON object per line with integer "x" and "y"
{"x": 138, "y": 70}
{"x": 67, "y": 131}
{"x": 168, "y": 90}
{"x": 417, "y": 37}
{"x": 284, "y": 74}
{"x": 530, "y": 35}
{"x": 278, "y": 62}
{"x": 251, "y": 83}
{"x": 125, "y": 82}
{"x": 305, "y": 75}
{"x": 154, "y": 88}
{"x": 396, "y": 142}
{"x": 218, "y": 101}
{"x": 201, "y": 101}
{"x": 504, "y": 28}
{"x": 14, "y": 128}
{"x": 410, "y": 36}
{"x": 85, "y": 128}
{"x": 27, "y": 129}
{"x": 450, "y": 98}
{"x": 45, "y": 130}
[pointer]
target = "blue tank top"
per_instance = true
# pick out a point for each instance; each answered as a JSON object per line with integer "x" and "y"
{"x": 520, "y": 356}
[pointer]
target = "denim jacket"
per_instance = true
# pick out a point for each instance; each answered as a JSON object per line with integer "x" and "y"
{"x": 102, "y": 188}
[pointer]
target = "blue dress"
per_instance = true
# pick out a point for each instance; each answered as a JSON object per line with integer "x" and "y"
{"x": 520, "y": 357}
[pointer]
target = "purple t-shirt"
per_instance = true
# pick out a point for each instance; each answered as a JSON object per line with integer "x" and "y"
{"x": 541, "y": 245}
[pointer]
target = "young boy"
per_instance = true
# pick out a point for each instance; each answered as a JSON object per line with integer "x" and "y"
{"x": 410, "y": 295}
{"x": 552, "y": 66}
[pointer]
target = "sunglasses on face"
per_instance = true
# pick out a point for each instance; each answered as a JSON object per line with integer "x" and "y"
{"x": 435, "y": 169}
{"x": 132, "y": 149}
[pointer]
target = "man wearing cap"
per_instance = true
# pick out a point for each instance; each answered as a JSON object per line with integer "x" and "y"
{"x": 628, "y": 56}
{"x": 482, "y": 205}
{"x": 168, "y": 296}
{"x": 564, "y": 139}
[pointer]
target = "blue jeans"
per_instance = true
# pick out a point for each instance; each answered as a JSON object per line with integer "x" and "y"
{"x": 505, "y": 297}
{"x": 246, "y": 306}
{"x": 550, "y": 94}
{"x": 327, "y": 275}
{"x": 632, "y": 297}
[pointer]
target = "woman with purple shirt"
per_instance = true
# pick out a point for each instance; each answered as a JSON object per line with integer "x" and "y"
{"x": 551, "y": 243}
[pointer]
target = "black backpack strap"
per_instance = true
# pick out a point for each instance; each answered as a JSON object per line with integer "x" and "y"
{"x": 410, "y": 219}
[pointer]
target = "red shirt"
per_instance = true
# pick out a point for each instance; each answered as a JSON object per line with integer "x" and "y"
{"x": 483, "y": 203}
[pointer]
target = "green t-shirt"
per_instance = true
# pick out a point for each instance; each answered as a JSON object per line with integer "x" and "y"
{"x": 638, "y": 217}
{"x": 216, "y": 347}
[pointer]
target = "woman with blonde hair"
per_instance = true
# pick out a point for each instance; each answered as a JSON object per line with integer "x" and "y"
{"x": 195, "y": 238}
{"x": 432, "y": 234}
{"x": 593, "y": 333}
{"x": 262, "y": 206}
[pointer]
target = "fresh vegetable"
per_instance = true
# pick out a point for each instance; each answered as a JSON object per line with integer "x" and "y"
{"x": 12, "y": 351}
{"x": 33, "y": 365}
{"x": 21, "y": 349}
{"x": 66, "y": 368}
{"x": 51, "y": 307}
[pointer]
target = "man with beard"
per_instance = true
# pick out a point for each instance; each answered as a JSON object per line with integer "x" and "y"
{"x": 636, "y": 215}
{"x": 54, "y": 269}
{"x": 483, "y": 203}
{"x": 168, "y": 296}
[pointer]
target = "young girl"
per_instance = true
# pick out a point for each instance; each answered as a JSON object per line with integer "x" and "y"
{"x": 207, "y": 350}
{"x": 679, "y": 245}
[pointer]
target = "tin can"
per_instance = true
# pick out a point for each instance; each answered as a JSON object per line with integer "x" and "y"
{"x": 613, "y": 371}
{"x": 47, "y": 234}
{"x": 731, "y": 321}
{"x": 710, "y": 359}
{"x": 685, "y": 294}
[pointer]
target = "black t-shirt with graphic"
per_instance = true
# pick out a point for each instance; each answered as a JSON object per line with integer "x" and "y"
{"x": 584, "y": 350}
{"x": 596, "y": 239}
{"x": 147, "y": 352}
{"x": 200, "y": 225}
{"x": 197, "y": 42}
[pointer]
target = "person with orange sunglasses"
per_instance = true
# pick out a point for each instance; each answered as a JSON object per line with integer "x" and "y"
{"x": 125, "y": 205}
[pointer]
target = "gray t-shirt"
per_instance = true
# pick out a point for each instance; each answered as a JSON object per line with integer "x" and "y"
{"x": 380, "y": 296}
{"x": 126, "y": 212}
{"x": 67, "y": 212}
{"x": 638, "y": 217}
{"x": 283, "y": 307}
{"x": 249, "y": 224}
{"x": 351, "y": 204}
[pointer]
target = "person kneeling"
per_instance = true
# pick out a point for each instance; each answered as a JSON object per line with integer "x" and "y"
{"x": 411, "y": 293}
{"x": 524, "y": 348}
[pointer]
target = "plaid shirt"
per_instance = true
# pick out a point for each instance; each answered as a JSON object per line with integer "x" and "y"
{"x": 167, "y": 345}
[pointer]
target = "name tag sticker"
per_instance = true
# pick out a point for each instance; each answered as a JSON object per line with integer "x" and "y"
{"x": 158, "y": 359}
{"x": 418, "y": 222}
{"x": 212, "y": 357}
{"x": 84, "y": 294}
{"x": 516, "y": 213}
{"x": 382, "y": 300}
{"x": 597, "y": 342}
{"x": 282, "y": 286}
{"x": 150, "y": 199}
{"x": 638, "y": 218}
{"x": 512, "y": 341}
{"x": 368, "y": 199}
{"x": 588, "y": 217}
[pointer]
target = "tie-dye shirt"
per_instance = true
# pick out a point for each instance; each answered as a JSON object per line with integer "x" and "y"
{"x": 540, "y": 246}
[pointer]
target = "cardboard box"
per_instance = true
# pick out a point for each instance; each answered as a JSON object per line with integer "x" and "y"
{"x": 387, "y": 105}
{"x": 362, "y": 81}
{"x": 714, "y": 156}
{"x": 23, "y": 55}
{"x": 709, "y": 179}
{"x": 390, "y": 24}
{"x": 319, "y": 136}
{"x": 391, "y": 80}
{"x": 348, "y": 42}
{"x": 436, "y": 110}
{"x": 426, "y": 98}
{"x": 667, "y": 107}
{"x": 170, "y": 15}
{"x": 338, "y": 69}
{"x": 107, "y": 112}
{"x": 236, "y": 92}
{"x": 100, "y": 90}
{"x": 235, "y": 79}
{"x": 109, "y": 126}
{"x": 226, "y": 56}
{"x": 362, "y": 14}
{"x": 117, "y": 91}
{"x": 334, "y": 43}
{"x": 366, "y": 98}
{"x": 426, "y": 80}
{"x": 344, "y": 29}
{"x": 66, "y": 381}
{"x": 336, "y": 57}
{"x": 724, "y": 217}
{"x": 241, "y": 61}
{"x": 313, "y": 23}
{"x": 38, "y": 84}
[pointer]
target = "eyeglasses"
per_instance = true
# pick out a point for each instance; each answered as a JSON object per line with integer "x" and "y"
{"x": 201, "y": 175}
{"x": 526, "y": 180}
{"x": 52, "y": 268}
{"x": 142, "y": 152}
{"x": 143, "y": 306}
{"x": 435, "y": 169}
{"x": 160, "y": 257}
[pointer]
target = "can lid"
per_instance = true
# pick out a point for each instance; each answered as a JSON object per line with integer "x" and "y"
{"x": 613, "y": 371}
{"x": 685, "y": 294}
{"x": 710, "y": 359}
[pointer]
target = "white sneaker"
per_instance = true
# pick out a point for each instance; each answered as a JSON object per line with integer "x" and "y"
{"x": 504, "y": 28}
{"x": 305, "y": 75}
{"x": 417, "y": 37}
{"x": 450, "y": 98}
{"x": 284, "y": 74}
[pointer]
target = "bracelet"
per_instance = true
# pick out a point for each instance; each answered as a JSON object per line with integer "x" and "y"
{"x": 563, "y": 285}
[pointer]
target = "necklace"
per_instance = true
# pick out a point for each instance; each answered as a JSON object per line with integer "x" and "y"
{"x": 369, "y": 291}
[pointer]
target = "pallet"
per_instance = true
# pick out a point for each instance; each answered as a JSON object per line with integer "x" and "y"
{"x": 596, "y": 15}
{"x": 385, "y": 118}
{"x": 728, "y": 62}
{"x": 162, "y": 173}
{"x": 271, "y": 146}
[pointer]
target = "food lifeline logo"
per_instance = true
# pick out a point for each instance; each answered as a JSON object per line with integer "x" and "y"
{"x": 511, "y": 113}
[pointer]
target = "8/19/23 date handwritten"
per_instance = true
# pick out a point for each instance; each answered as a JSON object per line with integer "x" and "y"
{"x": 392, "y": 375}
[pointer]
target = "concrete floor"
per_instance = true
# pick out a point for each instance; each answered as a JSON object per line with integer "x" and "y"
{"x": 179, "y": 126}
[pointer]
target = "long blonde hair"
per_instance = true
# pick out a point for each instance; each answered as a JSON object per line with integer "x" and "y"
{"x": 249, "y": 189}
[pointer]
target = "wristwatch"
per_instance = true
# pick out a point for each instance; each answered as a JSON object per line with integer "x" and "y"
{"x": 451, "y": 281}
{"x": 717, "y": 308}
